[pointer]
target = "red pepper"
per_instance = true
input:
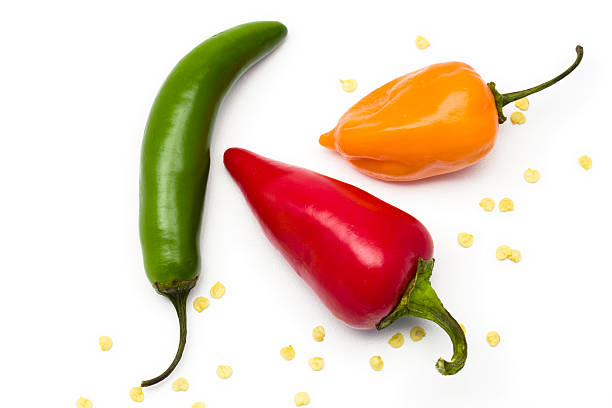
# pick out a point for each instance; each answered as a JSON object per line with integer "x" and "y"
{"x": 369, "y": 262}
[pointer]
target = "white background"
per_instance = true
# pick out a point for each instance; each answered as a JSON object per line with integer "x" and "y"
{"x": 77, "y": 79}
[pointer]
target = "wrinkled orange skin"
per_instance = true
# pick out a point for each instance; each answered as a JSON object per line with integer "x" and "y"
{"x": 437, "y": 120}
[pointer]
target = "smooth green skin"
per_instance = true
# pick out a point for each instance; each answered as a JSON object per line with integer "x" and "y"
{"x": 176, "y": 159}
{"x": 175, "y": 151}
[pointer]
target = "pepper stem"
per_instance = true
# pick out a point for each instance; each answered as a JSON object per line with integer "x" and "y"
{"x": 177, "y": 292}
{"x": 420, "y": 300}
{"x": 502, "y": 100}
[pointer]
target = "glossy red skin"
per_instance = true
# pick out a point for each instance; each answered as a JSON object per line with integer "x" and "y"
{"x": 356, "y": 252}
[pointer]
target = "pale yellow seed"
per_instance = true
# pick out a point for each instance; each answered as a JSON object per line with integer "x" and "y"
{"x": 316, "y": 363}
{"x": 224, "y": 371}
{"x": 200, "y": 303}
{"x": 288, "y": 353}
{"x": 83, "y": 403}
{"x": 348, "y": 85}
{"x": 376, "y": 363}
{"x": 180, "y": 384}
{"x": 397, "y": 340}
{"x": 531, "y": 175}
{"x": 493, "y": 338}
{"x": 462, "y": 327}
{"x": 506, "y": 204}
{"x": 198, "y": 405}
{"x": 585, "y": 162}
{"x": 465, "y": 240}
{"x": 487, "y": 204}
{"x": 517, "y": 118}
{"x": 515, "y": 255}
{"x": 136, "y": 394}
{"x": 301, "y": 398}
{"x": 522, "y": 104}
{"x": 417, "y": 333}
{"x": 421, "y": 42}
{"x": 106, "y": 343}
{"x": 503, "y": 252}
{"x": 217, "y": 291}
{"x": 318, "y": 333}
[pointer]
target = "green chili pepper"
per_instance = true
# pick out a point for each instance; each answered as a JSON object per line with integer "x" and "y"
{"x": 176, "y": 158}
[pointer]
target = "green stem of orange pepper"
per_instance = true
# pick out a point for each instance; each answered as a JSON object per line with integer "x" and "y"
{"x": 502, "y": 100}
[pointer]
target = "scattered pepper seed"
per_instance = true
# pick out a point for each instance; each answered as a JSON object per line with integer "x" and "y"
{"x": 397, "y": 340}
{"x": 487, "y": 204}
{"x": 318, "y": 333}
{"x": 224, "y": 371}
{"x": 301, "y": 398}
{"x": 200, "y": 303}
{"x": 316, "y": 363}
{"x": 522, "y": 104}
{"x": 348, "y": 85}
{"x": 503, "y": 252}
{"x": 585, "y": 162}
{"x": 288, "y": 353}
{"x": 84, "y": 403}
{"x": 462, "y": 327}
{"x": 517, "y": 118}
{"x": 376, "y": 363}
{"x": 417, "y": 333}
{"x": 217, "y": 291}
{"x": 506, "y": 204}
{"x": 198, "y": 405}
{"x": 106, "y": 343}
{"x": 493, "y": 338}
{"x": 180, "y": 384}
{"x": 136, "y": 394}
{"x": 421, "y": 42}
{"x": 515, "y": 256}
{"x": 465, "y": 240}
{"x": 531, "y": 175}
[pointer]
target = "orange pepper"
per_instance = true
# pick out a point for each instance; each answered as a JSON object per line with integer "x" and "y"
{"x": 433, "y": 121}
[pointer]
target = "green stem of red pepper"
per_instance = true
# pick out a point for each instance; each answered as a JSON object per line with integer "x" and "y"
{"x": 502, "y": 100}
{"x": 420, "y": 300}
